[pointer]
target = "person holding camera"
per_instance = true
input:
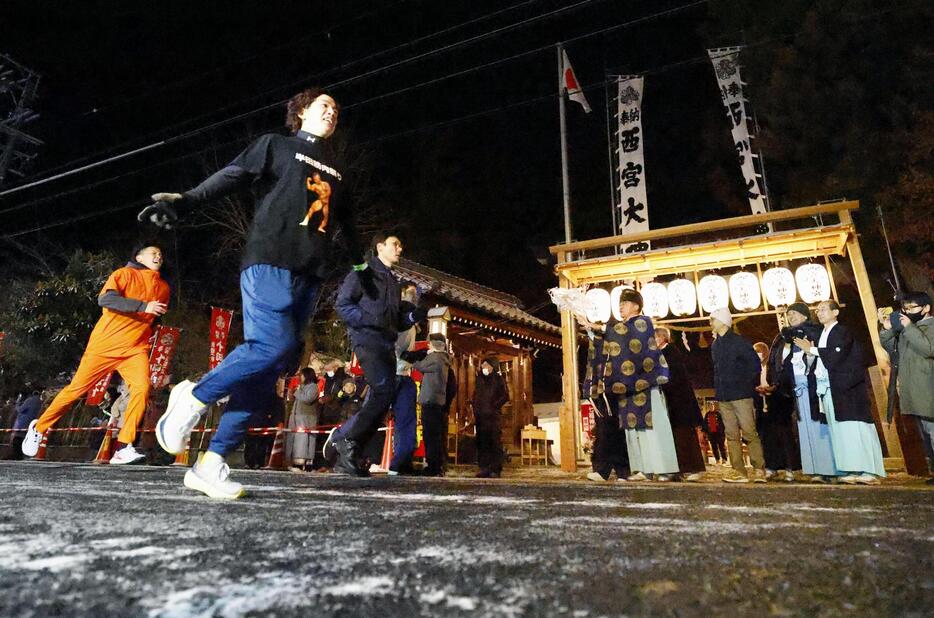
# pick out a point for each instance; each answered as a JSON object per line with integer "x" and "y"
{"x": 813, "y": 432}
{"x": 909, "y": 334}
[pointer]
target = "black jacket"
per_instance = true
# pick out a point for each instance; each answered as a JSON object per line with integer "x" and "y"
{"x": 489, "y": 396}
{"x": 683, "y": 410}
{"x": 736, "y": 367}
{"x": 846, "y": 367}
{"x": 369, "y": 303}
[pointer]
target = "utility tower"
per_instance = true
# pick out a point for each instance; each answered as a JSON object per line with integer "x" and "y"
{"x": 18, "y": 149}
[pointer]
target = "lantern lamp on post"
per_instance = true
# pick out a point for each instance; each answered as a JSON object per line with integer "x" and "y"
{"x": 713, "y": 292}
{"x": 813, "y": 283}
{"x": 655, "y": 297}
{"x": 744, "y": 291}
{"x": 438, "y": 318}
{"x": 779, "y": 286}
{"x": 682, "y": 298}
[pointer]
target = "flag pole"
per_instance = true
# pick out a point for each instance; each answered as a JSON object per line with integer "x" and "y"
{"x": 564, "y": 148}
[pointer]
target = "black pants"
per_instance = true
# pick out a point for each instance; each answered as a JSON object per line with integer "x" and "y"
{"x": 434, "y": 432}
{"x": 489, "y": 446}
{"x": 687, "y": 448}
{"x": 379, "y": 367}
{"x": 779, "y": 446}
{"x": 718, "y": 445}
{"x": 609, "y": 442}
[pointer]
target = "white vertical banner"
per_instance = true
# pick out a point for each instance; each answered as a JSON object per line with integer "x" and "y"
{"x": 726, "y": 66}
{"x": 632, "y": 213}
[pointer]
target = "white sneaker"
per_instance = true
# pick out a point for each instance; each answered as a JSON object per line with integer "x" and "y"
{"x": 181, "y": 416}
{"x": 868, "y": 479}
{"x": 596, "y": 476}
{"x": 638, "y": 476}
{"x": 31, "y": 443}
{"x": 697, "y": 477}
{"x": 210, "y": 476}
{"x": 126, "y": 455}
{"x": 662, "y": 478}
{"x": 393, "y": 473}
{"x": 327, "y": 451}
{"x": 789, "y": 476}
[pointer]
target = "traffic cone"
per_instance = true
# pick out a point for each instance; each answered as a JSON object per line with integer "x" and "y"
{"x": 105, "y": 452}
{"x": 277, "y": 454}
{"x": 387, "y": 447}
{"x": 182, "y": 458}
{"x": 43, "y": 446}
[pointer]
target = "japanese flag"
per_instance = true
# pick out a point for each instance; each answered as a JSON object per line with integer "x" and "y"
{"x": 570, "y": 83}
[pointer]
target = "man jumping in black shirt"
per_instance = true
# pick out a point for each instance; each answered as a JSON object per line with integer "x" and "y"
{"x": 287, "y": 252}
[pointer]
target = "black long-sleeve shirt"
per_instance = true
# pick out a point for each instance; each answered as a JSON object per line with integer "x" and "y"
{"x": 300, "y": 196}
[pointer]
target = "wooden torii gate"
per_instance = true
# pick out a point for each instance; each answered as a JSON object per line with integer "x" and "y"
{"x": 822, "y": 240}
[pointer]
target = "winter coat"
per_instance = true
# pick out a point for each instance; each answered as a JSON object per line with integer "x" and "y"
{"x": 915, "y": 366}
{"x": 736, "y": 367}
{"x": 843, "y": 358}
{"x": 683, "y": 410}
{"x": 434, "y": 369}
{"x": 370, "y": 303}
{"x": 27, "y": 411}
{"x": 489, "y": 397}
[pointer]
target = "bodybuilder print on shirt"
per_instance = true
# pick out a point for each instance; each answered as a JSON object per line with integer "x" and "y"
{"x": 320, "y": 192}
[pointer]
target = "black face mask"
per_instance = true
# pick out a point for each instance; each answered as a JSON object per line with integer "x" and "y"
{"x": 915, "y": 317}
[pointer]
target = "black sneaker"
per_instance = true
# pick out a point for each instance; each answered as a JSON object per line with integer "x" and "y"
{"x": 346, "y": 458}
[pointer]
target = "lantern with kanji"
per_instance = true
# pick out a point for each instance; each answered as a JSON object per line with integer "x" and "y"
{"x": 813, "y": 283}
{"x": 682, "y": 298}
{"x": 744, "y": 291}
{"x": 713, "y": 292}
{"x": 779, "y": 286}
{"x": 599, "y": 310}
{"x": 655, "y": 299}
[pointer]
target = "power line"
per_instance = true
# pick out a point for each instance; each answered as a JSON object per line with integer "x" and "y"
{"x": 700, "y": 59}
{"x": 275, "y": 104}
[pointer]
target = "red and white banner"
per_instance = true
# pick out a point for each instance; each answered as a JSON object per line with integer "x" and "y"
{"x": 571, "y": 86}
{"x": 166, "y": 340}
{"x": 96, "y": 394}
{"x": 220, "y": 328}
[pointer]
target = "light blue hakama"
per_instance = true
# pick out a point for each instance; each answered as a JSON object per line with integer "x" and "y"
{"x": 856, "y": 447}
{"x": 817, "y": 455}
{"x": 652, "y": 451}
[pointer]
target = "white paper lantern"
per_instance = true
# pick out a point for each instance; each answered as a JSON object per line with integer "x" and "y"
{"x": 813, "y": 283}
{"x": 744, "y": 291}
{"x": 779, "y": 286}
{"x": 713, "y": 292}
{"x": 655, "y": 297}
{"x": 682, "y": 298}
{"x": 599, "y": 310}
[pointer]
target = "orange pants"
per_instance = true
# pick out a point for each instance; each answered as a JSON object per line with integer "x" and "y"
{"x": 133, "y": 369}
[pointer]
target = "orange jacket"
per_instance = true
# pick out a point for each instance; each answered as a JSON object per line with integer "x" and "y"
{"x": 120, "y": 333}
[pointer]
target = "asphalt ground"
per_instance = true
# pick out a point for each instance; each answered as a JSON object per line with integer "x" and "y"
{"x": 85, "y": 540}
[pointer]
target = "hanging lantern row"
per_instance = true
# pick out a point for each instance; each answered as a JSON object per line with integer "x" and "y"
{"x": 680, "y": 297}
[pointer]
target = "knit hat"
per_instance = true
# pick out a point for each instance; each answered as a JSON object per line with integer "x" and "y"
{"x": 722, "y": 315}
{"x": 800, "y": 308}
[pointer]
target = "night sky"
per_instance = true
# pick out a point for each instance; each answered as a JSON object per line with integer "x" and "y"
{"x": 467, "y": 168}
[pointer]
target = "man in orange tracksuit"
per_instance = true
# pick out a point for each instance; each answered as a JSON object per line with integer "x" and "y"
{"x": 131, "y": 299}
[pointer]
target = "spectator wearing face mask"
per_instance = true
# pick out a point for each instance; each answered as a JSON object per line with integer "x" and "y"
{"x": 913, "y": 341}
{"x": 489, "y": 397}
